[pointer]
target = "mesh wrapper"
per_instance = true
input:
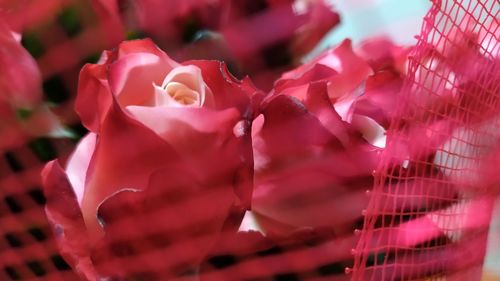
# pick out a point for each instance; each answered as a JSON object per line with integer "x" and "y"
{"x": 435, "y": 187}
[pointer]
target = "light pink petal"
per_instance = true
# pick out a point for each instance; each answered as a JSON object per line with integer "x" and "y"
{"x": 126, "y": 154}
{"x": 173, "y": 123}
{"x": 131, "y": 78}
{"x": 137, "y": 64}
{"x": 191, "y": 77}
{"x": 372, "y": 132}
{"x": 78, "y": 165}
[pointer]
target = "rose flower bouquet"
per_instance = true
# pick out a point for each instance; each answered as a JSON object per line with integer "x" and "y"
{"x": 221, "y": 143}
{"x": 177, "y": 152}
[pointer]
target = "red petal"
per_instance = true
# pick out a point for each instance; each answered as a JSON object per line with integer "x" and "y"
{"x": 379, "y": 100}
{"x": 319, "y": 104}
{"x": 64, "y": 215}
{"x": 94, "y": 97}
{"x": 290, "y": 129}
{"x": 316, "y": 72}
{"x": 169, "y": 226}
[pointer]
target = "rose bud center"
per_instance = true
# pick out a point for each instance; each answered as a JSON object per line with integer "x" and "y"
{"x": 183, "y": 94}
{"x": 184, "y": 87}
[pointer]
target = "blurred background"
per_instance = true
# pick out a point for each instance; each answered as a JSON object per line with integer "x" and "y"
{"x": 361, "y": 19}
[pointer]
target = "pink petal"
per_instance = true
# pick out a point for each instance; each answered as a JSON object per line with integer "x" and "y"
{"x": 137, "y": 65}
{"x": 78, "y": 164}
{"x": 174, "y": 123}
{"x": 126, "y": 154}
{"x": 131, "y": 78}
{"x": 227, "y": 90}
{"x": 372, "y": 132}
{"x": 201, "y": 135}
{"x": 304, "y": 74}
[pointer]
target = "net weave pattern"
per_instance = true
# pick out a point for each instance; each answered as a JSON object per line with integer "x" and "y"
{"x": 431, "y": 204}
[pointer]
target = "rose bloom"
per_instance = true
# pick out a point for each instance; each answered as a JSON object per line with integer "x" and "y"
{"x": 165, "y": 169}
{"x": 317, "y": 139}
{"x": 316, "y": 143}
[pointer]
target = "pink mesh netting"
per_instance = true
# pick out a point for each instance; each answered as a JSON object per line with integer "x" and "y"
{"x": 435, "y": 186}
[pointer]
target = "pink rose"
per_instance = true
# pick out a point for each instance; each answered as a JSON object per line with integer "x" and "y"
{"x": 168, "y": 162}
{"x": 315, "y": 148}
{"x": 314, "y": 153}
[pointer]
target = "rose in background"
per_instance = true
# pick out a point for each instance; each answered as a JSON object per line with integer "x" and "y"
{"x": 316, "y": 145}
{"x": 317, "y": 140}
{"x": 22, "y": 112}
{"x": 165, "y": 169}
{"x": 230, "y": 30}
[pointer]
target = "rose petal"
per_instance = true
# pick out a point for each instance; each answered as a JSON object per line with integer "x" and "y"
{"x": 189, "y": 76}
{"x": 227, "y": 91}
{"x": 297, "y": 192}
{"x": 78, "y": 165}
{"x": 94, "y": 97}
{"x": 109, "y": 13}
{"x": 289, "y": 129}
{"x": 66, "y": 219}
{"x": 319, "y": 104}
{"x": 137, "y": 65}
{"x": 201, "y": 135}
{"x": 341, "y": 67}
{"x": 168, "y": 122}
{"x": 126, "y": 154}
{"x": 198, "y": 212}
{"x": 12, "y": 134}
{"x": 176, "y": 218}
{"x": 351, "y": 69}
{"x": 317, "y": 72}
{"x": 380, "y": 96}
{"x": 372, "y": 132}
{"x": 132, "y": 77}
